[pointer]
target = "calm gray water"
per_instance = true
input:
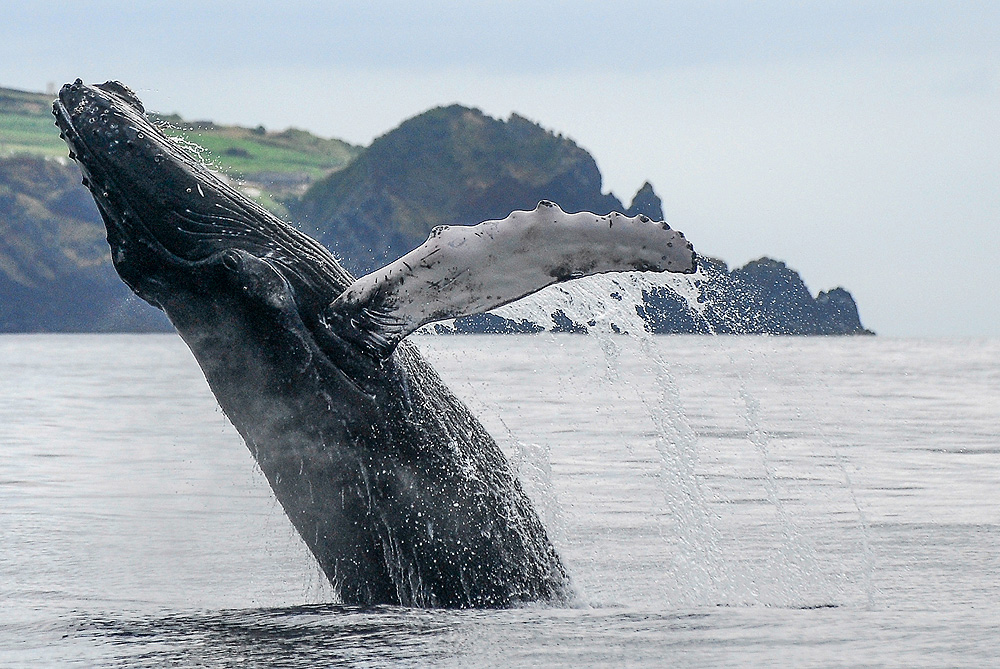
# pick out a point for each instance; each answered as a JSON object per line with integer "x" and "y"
{"x": 719, "y": 502}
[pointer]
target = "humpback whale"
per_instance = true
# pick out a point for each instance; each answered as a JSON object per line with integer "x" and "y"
{"x": 395, "y": 487}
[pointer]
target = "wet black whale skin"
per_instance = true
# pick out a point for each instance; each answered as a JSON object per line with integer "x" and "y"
{"x": 398, "y": 491}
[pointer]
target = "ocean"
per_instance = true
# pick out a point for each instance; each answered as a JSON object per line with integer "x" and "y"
{"x": 719, "y": 501}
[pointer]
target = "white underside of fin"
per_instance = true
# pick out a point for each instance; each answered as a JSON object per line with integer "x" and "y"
{"x": 462, "y": 270}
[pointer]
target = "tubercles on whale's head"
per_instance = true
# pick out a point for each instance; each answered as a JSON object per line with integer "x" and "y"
{"x": 123, "y": 92}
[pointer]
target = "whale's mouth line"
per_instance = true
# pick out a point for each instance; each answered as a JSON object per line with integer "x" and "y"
{"x": 86, "y": 159}
{"x": 63, "y": 118}
{"x": 69, "y": 133}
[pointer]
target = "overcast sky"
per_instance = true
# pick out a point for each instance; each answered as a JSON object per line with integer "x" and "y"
{"x": 857, "y": 141}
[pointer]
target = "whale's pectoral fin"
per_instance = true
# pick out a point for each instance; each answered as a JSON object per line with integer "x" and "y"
{"x": 462, "y": 270}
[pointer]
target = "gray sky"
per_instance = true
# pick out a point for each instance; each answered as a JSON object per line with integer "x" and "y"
{"x": 857, "y": 141}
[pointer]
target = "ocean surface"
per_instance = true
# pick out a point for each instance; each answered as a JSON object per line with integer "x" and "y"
{"x": 719, "y": 501}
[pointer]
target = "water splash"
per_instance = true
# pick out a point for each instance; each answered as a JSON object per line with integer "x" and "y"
{"x": 533, "y": 465}
{"x": 863, "y": 527}
{"x": 703, "y": 570}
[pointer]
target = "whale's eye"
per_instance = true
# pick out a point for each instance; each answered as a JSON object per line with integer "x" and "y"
{"x": 124, "y": 92}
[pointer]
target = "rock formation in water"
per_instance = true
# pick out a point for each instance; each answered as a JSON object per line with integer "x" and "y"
{"x": 762, "y": 297}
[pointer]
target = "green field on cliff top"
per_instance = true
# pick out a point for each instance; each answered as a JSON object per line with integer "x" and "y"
{"x": 285, "y": 159}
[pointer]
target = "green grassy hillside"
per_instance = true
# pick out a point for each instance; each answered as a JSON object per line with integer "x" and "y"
{"x": 26, "y": 125}
{"x": 29, "y": 134}
{"x": 256, "y": 153}
{"x": 271, "y": 166}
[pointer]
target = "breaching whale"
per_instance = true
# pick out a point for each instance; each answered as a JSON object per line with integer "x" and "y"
{"x": 395, "y": 487}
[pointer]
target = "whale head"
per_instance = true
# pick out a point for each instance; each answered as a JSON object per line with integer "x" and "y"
{"x": 169, "y": 218}
{"x": 243, "y": 288}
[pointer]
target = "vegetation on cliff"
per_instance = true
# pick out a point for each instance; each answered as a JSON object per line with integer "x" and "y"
{"x": 272, "y": 167}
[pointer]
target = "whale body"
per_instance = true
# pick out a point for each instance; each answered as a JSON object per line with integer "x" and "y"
{"x": 395, "y": 487}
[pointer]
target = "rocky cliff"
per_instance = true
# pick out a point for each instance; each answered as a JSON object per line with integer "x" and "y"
{"x": 55, "y": 267}
{"x": 762, "y": 297}
{"x": 448, "y": 166}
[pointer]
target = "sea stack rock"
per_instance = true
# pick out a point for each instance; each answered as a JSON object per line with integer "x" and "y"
{"x": 647, "y": 202}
